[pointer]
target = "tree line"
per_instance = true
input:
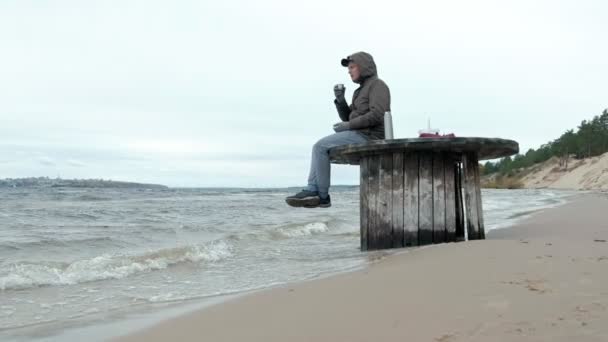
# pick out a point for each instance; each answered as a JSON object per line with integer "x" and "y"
{"x": 590, "y": 139}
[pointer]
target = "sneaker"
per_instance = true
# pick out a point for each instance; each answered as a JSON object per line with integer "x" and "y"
{"x": 304, "y": 198}
{"x": 323, "y": 203}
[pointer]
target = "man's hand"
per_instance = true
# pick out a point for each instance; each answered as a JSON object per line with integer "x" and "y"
{"x": 339, "y": 90}
{"x": 341, "y": 126}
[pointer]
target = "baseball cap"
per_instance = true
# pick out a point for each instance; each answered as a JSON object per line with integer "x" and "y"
{"x": 345, "y": 61}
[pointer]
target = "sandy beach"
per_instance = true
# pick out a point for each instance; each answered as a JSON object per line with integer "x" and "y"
{"x": 545, "y": 279}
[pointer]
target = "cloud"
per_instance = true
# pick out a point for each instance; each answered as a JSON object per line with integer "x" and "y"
{"x": 75, "y": 163}
{"x": 46, "y": 161}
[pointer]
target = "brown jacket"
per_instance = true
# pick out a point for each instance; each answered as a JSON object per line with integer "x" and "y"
{"x": 370, "y": 100}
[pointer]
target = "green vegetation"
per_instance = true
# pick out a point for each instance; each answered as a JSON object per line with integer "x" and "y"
{"x": 590, "y": 139}
{"x": 503, "y": 182}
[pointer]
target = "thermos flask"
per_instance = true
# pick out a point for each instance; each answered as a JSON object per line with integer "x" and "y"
{"x": 388, "y": 126}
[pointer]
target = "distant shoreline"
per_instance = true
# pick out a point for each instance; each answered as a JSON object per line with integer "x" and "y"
{"x": 45, "y": 182}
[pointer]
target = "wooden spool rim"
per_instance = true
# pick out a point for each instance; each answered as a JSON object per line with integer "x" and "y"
{"x": 486, "y": 148}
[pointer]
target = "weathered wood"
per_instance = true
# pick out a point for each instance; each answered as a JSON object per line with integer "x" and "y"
{"x": 420, "y": 191}
{"x": 485, "y": 148}
{"x": 425, "y": 195}
{"x": 482, "y": 232}
{"x": 384, "y": 229}
{"x": 459, "y": 203}
{"x": 411, "y": 195}
{"x": 372, "y": 201}
{"x": 472, "y": 210}
{"x": 450, "y": 200}
{"x": 438, "y": 198}
{"x": 363, "y": 199}
{"x": 397, "y": 206}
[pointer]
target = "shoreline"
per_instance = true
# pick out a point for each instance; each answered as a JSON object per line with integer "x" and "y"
{"x": 302, "y": 309}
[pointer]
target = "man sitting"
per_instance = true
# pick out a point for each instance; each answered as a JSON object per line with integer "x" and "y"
{"x": 363, "y": 120}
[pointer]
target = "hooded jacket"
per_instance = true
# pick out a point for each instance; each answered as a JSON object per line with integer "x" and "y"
{"x": 370, "y": 101}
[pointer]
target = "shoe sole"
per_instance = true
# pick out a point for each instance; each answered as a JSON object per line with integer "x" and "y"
{"x": 307, "y": 202}
{"x": 318, "y": 206}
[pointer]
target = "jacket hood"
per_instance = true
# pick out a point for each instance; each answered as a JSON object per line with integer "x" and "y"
{"x": 365, "y": 61}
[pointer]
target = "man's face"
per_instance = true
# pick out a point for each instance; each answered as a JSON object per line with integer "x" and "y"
{"x": 353, "y": 71}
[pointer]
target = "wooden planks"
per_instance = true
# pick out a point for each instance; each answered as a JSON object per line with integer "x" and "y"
{"x": 397, "y": 210}
{"x": 373, "y": 172}
{"x": 363, "y": 201}
{"x": 472, "y": 196}
{"x": 482, "y": 232}
{"x": 459, "y": 202}
{"x": 383, "y": 232}
{"x": 450, "y": 200}
{"x": 425, "y": 199}
{"x": 410, "y": 199}
{"x": 438, "y": 198}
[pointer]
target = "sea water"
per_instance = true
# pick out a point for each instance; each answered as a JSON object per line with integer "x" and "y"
{"x": 75, "y": 257}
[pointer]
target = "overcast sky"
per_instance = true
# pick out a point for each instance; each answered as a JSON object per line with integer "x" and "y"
{"x": 234, "y": 93}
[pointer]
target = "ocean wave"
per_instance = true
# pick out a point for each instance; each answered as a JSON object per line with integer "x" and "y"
{"x": 295, "y": 230}
{"x": 49, "y": 243}
{"x": 27, "y": 275}
{"x": 91, "y": 198}
{"x": 7, "y": 310}
{"x": 305, "y": 230}
{"x": 79, "y": 215}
